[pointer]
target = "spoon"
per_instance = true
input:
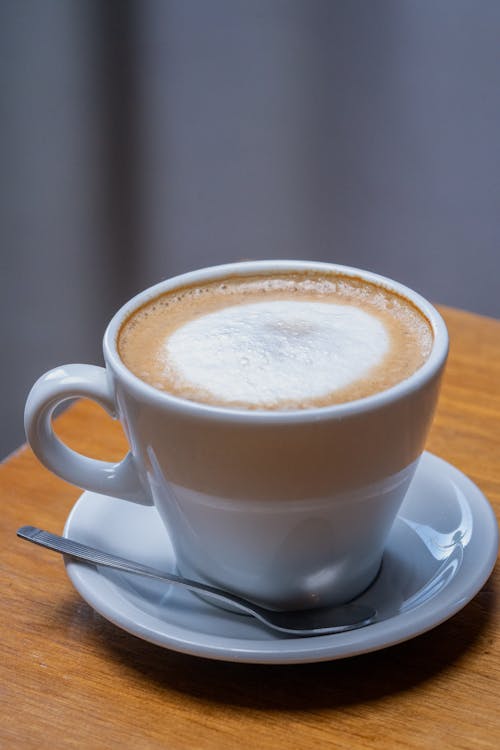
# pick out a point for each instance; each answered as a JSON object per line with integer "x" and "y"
{"x": 319, "y": 621}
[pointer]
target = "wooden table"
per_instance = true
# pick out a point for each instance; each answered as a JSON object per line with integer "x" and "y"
{"x": 71, "y": 679}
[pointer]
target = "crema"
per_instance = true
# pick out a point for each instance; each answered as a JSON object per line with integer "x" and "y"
{"x": 276, "y": 341}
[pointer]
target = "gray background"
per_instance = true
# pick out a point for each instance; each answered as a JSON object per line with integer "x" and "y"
{"x": 143, "y": 139}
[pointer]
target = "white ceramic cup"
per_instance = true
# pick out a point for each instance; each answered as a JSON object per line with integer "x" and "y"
{"x": 288, "y": 508}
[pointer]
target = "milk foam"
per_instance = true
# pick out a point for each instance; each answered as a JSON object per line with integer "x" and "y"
{"x": 267, "y": 352}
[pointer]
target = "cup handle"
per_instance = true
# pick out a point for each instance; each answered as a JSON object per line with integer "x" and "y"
{"x": 69, "y": 381}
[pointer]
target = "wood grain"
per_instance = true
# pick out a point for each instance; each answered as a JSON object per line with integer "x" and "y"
{"x": 70, "y": 679}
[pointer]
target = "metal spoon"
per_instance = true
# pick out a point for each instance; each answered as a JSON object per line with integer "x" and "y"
{"x": 320, "y": 621}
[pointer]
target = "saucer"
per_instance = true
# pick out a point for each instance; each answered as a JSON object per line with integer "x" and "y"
{"x": 441, "y": 550}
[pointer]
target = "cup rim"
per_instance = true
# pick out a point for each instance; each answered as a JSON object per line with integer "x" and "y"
{"x": 163, "y": 399}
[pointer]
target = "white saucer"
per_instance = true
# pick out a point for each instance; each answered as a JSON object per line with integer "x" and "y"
{"x": 440, "y": 552}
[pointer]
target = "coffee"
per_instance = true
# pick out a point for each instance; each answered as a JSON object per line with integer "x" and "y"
{"x": 278, "y": 341}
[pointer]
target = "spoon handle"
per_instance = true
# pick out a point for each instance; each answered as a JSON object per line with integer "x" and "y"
{"x": 90, "y": 554}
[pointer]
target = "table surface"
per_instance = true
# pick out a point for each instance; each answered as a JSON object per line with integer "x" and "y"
{"x": 71, "y": 679}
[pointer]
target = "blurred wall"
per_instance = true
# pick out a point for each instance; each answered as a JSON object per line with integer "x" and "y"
{"x": 143, "y": 139}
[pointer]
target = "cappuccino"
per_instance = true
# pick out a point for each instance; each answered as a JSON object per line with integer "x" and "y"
{"x": 277, "y": 341}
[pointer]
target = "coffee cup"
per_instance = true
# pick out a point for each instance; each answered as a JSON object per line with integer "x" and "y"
{"x": 287, "y": 500}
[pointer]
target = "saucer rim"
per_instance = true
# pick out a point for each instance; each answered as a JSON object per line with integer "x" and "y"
{"x": 288, "y": 650}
